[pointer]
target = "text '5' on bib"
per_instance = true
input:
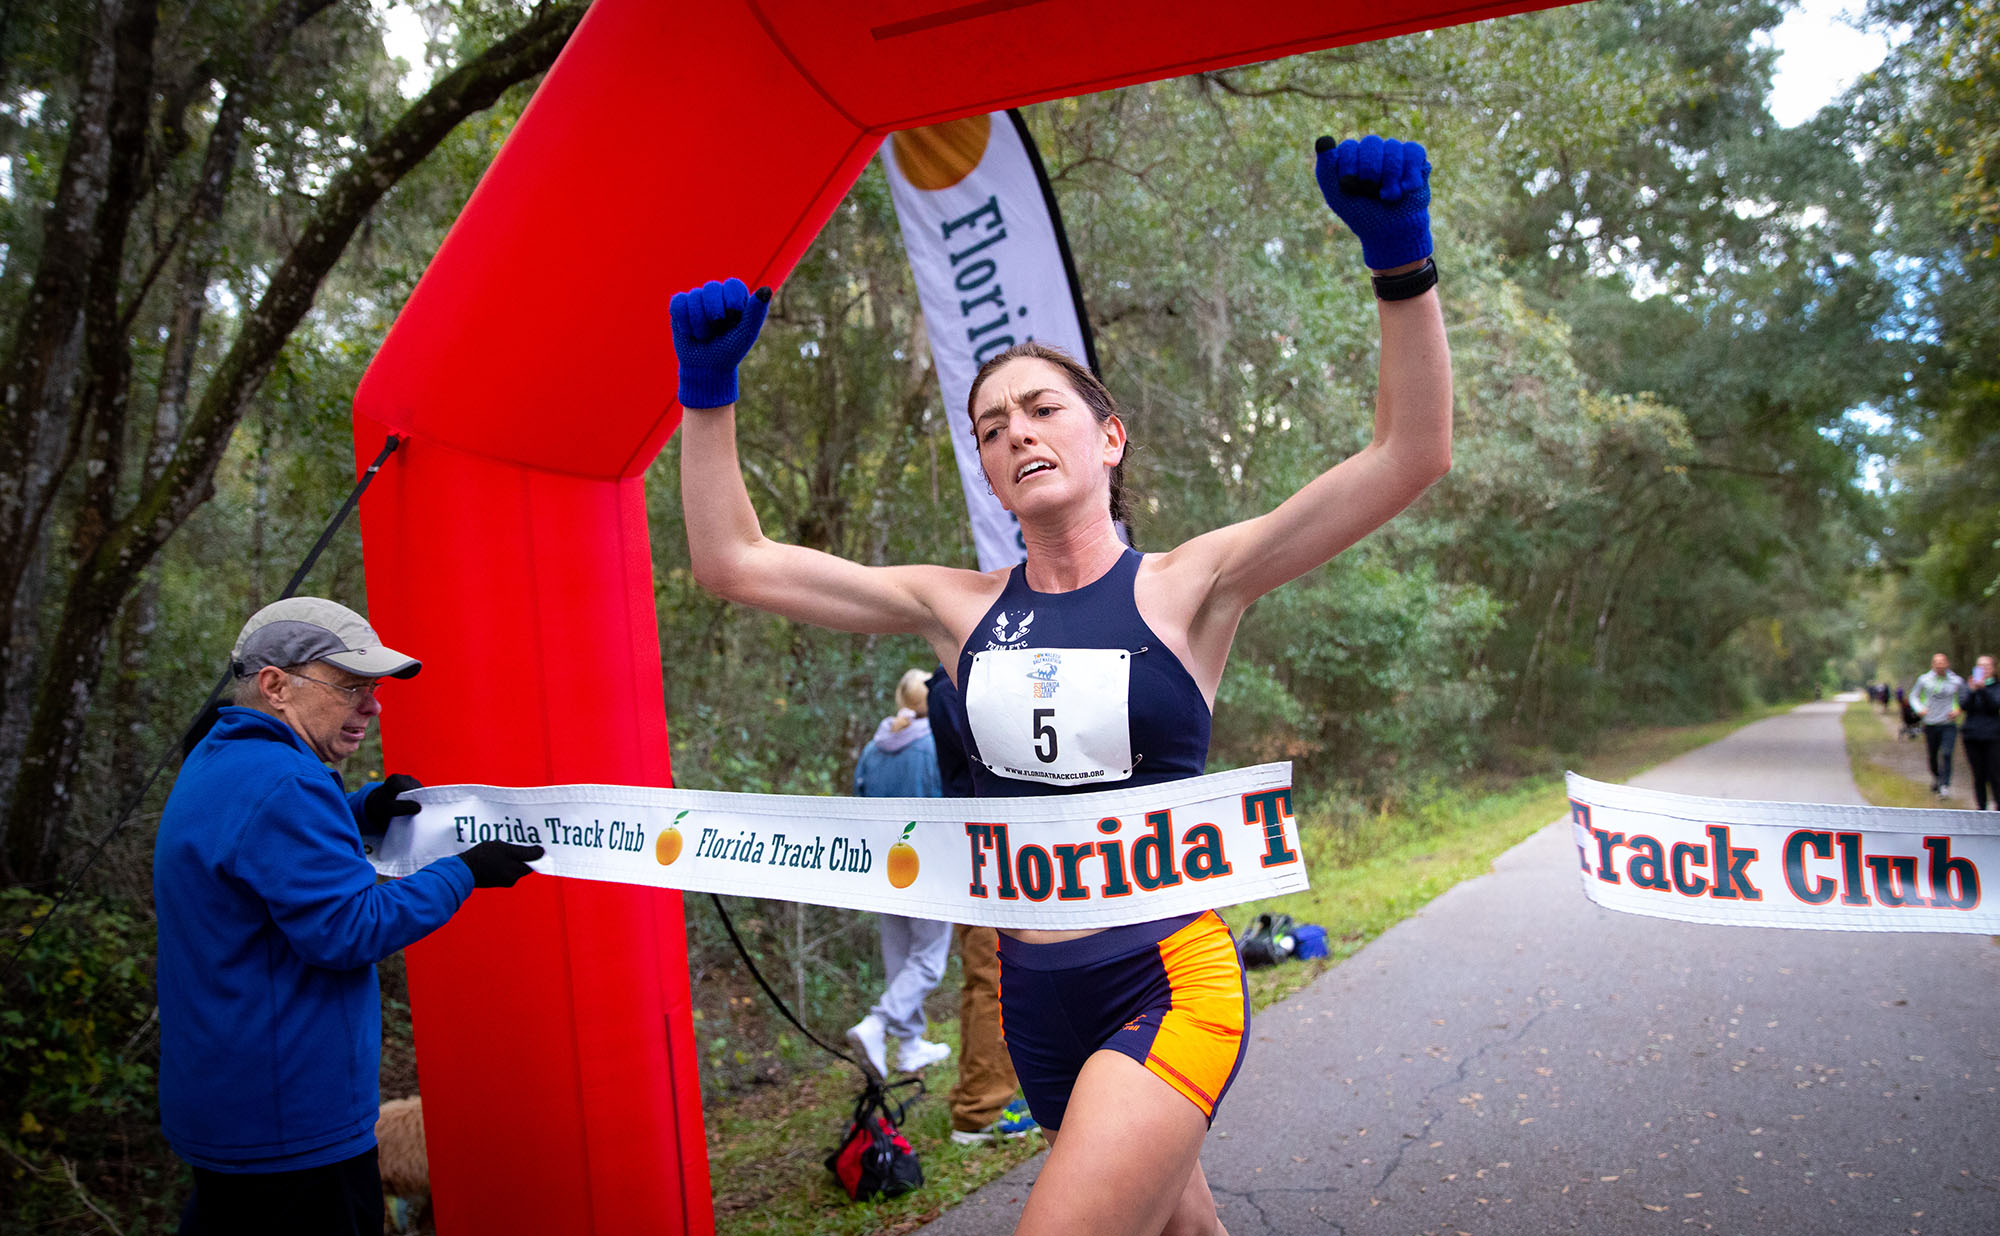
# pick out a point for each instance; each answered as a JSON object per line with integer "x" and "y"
{"x": 1057, "y": 715}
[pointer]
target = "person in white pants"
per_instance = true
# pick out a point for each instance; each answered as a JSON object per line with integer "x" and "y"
{"x": 901, "y": 762}
{"x": 914, "y": 953}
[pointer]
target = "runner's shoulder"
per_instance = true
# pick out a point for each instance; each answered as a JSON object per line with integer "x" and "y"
{"x": 958, "y": 597}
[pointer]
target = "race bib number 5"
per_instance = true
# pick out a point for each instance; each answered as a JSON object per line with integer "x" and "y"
{"x": 1058, "y": 715}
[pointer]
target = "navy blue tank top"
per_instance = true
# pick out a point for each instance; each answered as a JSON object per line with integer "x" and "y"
{"x": 1167, "y": 718}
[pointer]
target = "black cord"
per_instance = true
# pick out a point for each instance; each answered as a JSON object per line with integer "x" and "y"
{"x": 744, "y": 953}
{"x": 203, "y": 718}
{"x": 389, "y": 445}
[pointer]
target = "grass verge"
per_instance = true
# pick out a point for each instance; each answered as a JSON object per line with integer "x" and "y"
{"x": 1875, "y": 755}
{"x": 1370, "y": 871}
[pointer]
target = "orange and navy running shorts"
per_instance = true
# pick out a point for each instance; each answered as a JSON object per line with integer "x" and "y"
{"x": 1169, "y": 994}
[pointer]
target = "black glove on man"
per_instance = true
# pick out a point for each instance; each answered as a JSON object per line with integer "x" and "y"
{"x": 498, "y": 864}
{"x": 382, "y": 804}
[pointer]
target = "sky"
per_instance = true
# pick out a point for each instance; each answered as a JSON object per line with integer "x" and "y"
{"x": 1820, "y": 55}
{"x": 405, "y": 38}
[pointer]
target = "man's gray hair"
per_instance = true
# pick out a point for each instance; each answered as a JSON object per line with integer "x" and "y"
{"x": 248, "y": 694}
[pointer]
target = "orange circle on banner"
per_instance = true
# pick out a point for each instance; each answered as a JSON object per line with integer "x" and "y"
{"x": 902, "y": 865}
{"x": 941, "y": 155}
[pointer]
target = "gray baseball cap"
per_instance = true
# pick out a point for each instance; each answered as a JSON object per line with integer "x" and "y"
{"x": 301, "y": 629}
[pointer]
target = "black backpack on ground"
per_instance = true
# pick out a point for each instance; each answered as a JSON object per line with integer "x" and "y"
{"x": 1269, "y": 940}
{"x": 874, "y": 1159}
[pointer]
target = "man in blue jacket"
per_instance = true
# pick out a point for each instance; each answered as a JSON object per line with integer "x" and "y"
{"x": 270, "y": 924}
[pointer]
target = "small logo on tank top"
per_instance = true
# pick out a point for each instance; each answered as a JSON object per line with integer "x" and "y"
{"x": 1002, "y": 637}
{"x": 1042, "y": 671}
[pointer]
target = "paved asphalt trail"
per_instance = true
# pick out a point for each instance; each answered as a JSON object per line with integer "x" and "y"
{"x": 1516, "y": 1060}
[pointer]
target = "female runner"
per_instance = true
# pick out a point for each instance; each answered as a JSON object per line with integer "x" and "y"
{"x": 1124, "y": 1038}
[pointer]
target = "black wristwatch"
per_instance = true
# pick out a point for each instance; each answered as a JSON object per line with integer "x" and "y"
{"x": 1408, "y": 284}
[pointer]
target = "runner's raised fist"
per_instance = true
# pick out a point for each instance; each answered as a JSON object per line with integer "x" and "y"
{"x": 714, "y": 326}
{"x": 1381, "y": 189}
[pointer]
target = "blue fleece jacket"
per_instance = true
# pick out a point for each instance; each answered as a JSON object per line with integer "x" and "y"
{"x": 270, "y": 925}
{"x": 899, "y": 763}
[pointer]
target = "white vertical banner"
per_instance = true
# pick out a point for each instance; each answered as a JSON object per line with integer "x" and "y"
{"x": 992, "y": 269}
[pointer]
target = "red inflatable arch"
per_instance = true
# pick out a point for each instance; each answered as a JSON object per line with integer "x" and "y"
{"x": 532, "y": 378}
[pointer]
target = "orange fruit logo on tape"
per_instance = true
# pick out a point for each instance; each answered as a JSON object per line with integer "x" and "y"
{"x": 668, "y": 847}
{"x": 903, "y": 859}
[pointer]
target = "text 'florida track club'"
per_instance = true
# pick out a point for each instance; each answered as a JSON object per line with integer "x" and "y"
{"x": 1818, "y": 866}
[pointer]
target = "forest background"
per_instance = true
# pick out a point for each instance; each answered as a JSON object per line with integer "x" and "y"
{"x": 1728, "y": 430}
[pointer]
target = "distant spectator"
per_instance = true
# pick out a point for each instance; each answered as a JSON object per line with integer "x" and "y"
{"x": 901, "y": 762}
{"x": 1981, "y": 704}
{"x": 1913, "y": 724}
{"x": 1934, "y": 697}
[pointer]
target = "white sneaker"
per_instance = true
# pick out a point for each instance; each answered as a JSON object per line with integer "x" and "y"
{"x": 916, "y": 1055}
{"x": 870, "y": 1037}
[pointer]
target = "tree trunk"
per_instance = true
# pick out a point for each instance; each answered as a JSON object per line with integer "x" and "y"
{"x": 100, "y": 420}
{"x": 1614, "y": 585}
{"x": 1532, "y": 688}
{"x": 132, "y": 701}
{"x": 132, "y": 690}
{"x": 260, "y": 520}
{"x": 37, "y": 383}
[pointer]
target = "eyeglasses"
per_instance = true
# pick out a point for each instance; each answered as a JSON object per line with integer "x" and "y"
{"x": 355, "y": 694}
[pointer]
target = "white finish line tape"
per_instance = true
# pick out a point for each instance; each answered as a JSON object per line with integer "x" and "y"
{"x": 1762, "y": 864}
{"x": 1062, "y": 861}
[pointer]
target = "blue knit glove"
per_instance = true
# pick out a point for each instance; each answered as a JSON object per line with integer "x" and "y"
{"x": 1382, "y": 191}
{"x": 714, "y": 326}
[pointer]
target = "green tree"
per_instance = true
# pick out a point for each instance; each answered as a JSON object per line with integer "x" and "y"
{"x": 1926, "y": 121}
{"x": 1716, "y": 273}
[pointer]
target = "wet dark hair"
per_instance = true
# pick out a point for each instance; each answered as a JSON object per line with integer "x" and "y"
{"x": 1102, "y": 406}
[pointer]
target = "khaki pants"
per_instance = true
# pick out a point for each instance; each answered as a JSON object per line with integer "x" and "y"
{"x": 985, "y": 1075}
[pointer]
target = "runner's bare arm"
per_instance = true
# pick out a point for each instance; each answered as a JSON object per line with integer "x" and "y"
{"x": 1381, "y": 190}
{"x": 733, "y": 558}
{"x": 714, "y": 327}
{"x": 1221, "y": 573}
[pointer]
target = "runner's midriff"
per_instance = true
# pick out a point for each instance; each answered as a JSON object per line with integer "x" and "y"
{"x": 1031, "y": 935}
